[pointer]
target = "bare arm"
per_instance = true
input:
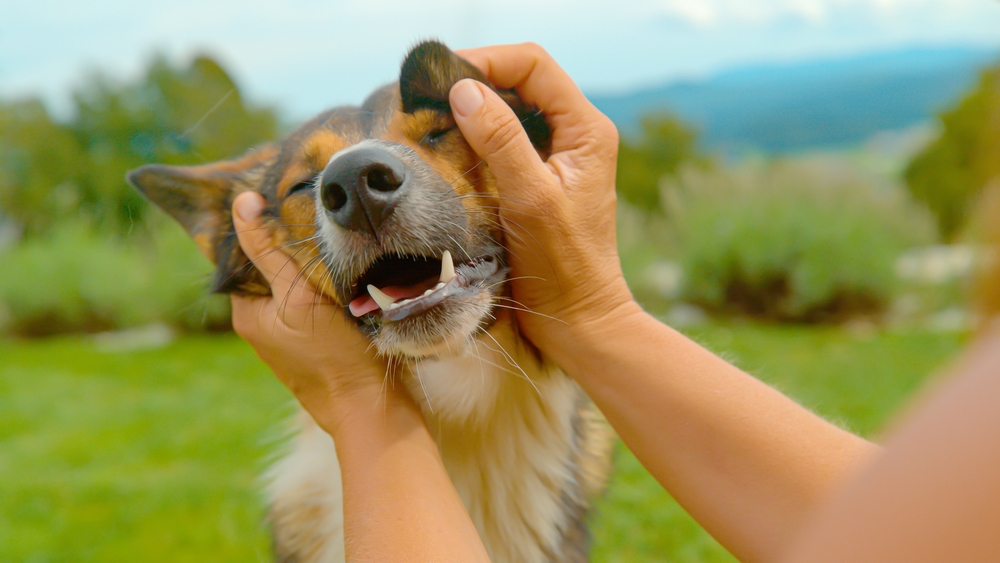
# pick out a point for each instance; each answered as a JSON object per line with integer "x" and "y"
{"x": 747, "y": 462}
{"x": 744, "y": 460}
{"x": 934, "y": 494}
{"x": 399, "y": 504}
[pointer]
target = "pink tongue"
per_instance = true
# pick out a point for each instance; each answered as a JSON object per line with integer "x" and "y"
{"x": 362, "y": 305}
{"x": 365, "y": 304}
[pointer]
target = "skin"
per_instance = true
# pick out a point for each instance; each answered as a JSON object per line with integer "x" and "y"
{"x": 394, "y": 482}
{"x": 758, "y": 471}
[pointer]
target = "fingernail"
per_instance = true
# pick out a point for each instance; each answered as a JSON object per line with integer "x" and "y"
{"x": 466, "y": 97}
{"x": 248, "y": 207}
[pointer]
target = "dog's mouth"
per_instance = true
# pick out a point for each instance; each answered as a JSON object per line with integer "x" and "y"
{"x": 394, "y": 288}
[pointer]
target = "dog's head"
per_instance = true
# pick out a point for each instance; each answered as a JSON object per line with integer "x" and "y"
{"x": 385, "y": 207}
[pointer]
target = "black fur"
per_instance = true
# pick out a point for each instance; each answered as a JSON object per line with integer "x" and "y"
{"x": 200, "y": 199}
{"x": 431, "y": 69}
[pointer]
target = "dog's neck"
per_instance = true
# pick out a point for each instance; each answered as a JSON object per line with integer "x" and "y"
{"x": 499, "y": 413}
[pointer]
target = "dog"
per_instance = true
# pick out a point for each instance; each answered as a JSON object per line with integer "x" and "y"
{"x": 390, "y": 214}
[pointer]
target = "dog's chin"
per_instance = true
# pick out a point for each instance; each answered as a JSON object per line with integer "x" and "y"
{"x": 444, "y": 329}
{"x": 407, "y": 313}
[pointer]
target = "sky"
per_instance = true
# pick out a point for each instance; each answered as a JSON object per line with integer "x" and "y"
{"x": 306, "y": 55}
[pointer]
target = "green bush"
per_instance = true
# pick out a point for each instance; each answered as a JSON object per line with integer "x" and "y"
{"x": 75, "y": 279}
{"x": 666, "y": 143}
{"x": 187, "y": 114}
{"x": 952, "y": 171}
{"x": 805, "y": 241}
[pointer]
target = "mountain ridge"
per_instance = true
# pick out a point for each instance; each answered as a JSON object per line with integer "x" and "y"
{"x": 820, "y": 103}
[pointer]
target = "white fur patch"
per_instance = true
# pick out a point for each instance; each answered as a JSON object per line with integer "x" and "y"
{"x": 504, "y": 423}
{"x": 305, "y": 495}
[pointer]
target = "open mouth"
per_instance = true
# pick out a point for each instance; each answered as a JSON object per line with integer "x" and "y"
{"x": 398, "y": 287}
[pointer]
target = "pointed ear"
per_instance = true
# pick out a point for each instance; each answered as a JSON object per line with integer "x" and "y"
{"x": 431, "y": 69}
{"x": 201, "y": 198}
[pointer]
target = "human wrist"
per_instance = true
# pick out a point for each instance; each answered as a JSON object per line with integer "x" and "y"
{"x": 584, "y": 338}
{"x": 364, "y": 418}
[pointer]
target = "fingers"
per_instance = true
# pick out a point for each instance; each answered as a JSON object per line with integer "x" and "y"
{"x": 540, "y": 81}
{"x": 246, "y": 314}
{"x": 278, "y": 268}
{"x": 495, "y": 133}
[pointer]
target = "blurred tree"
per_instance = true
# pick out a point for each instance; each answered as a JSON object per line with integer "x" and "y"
{"x": 664, "y": 145}
{"x": 175, "y": 116}
{"x": 187, "y": 115}
{"x": 41, "y": 166}
{"x": 949, "y": 174}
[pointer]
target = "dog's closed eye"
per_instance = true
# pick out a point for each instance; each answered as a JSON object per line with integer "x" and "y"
{"x": 301, "y": 187}
{"x": 435, "y": 136}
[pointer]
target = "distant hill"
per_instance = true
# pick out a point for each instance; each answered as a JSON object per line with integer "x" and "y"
{"x": 828, "y": 103}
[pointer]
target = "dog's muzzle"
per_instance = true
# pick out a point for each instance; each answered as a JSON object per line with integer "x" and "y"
{"x": 359, "y": 187}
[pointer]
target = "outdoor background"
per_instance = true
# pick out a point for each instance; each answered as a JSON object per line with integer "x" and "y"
{"x": 800, "y": 185}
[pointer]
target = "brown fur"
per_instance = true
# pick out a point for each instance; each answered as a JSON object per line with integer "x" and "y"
{"x": 567, "y": 444}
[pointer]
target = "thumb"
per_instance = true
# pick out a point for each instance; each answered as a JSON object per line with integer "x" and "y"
{"x": 495, "y": 133}
{"x": 255, "y": 238}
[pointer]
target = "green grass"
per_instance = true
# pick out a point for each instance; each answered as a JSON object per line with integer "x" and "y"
{"x": 154, "y": 455}
{"x": 149, "y": 456}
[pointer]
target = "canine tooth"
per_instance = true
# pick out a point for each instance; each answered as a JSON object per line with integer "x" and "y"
{"x": 383, "y": 300}
{"x": 447, "y": 267}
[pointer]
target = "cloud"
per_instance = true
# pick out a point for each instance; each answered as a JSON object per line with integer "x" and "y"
{"x": 706, "y": 14}
{"x": 306, "y": 55}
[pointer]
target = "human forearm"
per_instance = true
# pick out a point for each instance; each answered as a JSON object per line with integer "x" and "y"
{"x": 747, "y": 462}
{"x": 932, "y": 495}
{"x": 399, "y": 504}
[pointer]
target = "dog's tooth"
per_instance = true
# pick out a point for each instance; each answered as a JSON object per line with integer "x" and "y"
{"x": 383, "y": 300}
{"x": 447, "y": 267}
{"x": 428, "y": 292}
{"x": 439, "y": 285}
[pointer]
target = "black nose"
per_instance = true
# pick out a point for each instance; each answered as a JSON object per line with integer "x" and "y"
{"x": 360, "y": 187}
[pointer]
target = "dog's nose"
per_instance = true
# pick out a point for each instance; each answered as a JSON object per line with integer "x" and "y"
{"x": 360, "y": 187}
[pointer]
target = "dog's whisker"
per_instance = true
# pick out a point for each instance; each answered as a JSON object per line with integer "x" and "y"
{"x": 526, "y": 310}
{"x": 510, "y": 359}
{"x": 510, "y": 279}
{"x": 281, "y": 308}
{"x": 502, "y": 368}
{"x": 275, "y": 226}
{"x": 416, "y": 370}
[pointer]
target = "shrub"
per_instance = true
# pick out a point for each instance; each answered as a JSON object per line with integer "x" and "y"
{"x": 74, "y": 279}
{"x": 806, "y": 240}
{"x": 951, "y": 172}
{"x": 188, "y": 114}
{"x": 666, "y": 143}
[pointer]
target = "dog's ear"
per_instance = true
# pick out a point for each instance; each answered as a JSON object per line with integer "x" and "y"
{"x": 201, "y": 198}
{"x": 431, "y": 69}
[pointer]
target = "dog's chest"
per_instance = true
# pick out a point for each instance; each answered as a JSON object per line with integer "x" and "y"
{"x": 513, "y": 439}
{"x": 507, "y": 428}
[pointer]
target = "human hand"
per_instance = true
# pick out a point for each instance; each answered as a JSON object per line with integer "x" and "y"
{"x": 559, "y": 214}
{"x": 303, "y": 337}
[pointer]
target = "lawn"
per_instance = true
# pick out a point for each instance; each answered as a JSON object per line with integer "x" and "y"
{"x": 154, "y": 455}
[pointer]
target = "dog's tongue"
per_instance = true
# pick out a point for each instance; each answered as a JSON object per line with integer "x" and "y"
{"x": 365, "y": 304}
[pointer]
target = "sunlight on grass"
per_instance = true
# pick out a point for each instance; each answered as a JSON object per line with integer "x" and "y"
{"x": 154, "y": 455}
